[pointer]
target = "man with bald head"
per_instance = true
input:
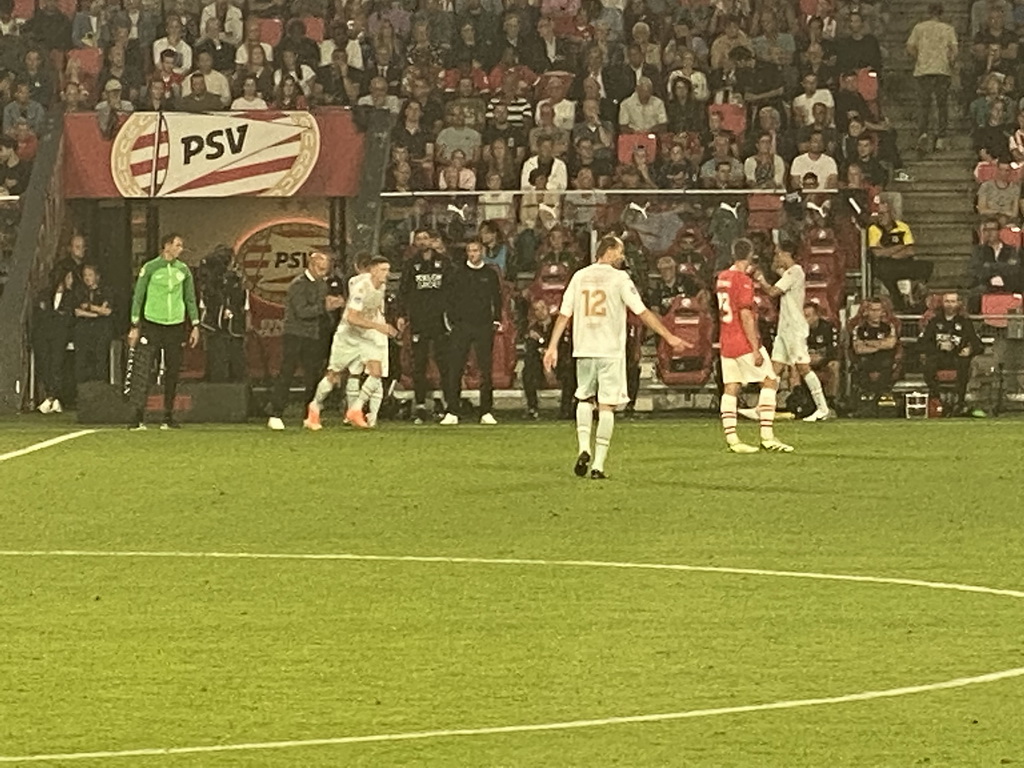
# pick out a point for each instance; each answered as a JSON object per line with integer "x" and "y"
{"x": 305, "y": 312}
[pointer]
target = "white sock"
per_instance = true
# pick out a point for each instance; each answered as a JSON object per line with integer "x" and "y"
{"x": 370, "y": 386}
{"x": 814, "y": 384}
{"x": 376, "y": 398}
{"x": 323, "y": 389}
{"x": 605, "y": 427}
{"x": 766, "y": 410}
{"x": 584, "y": 422}
{"x": 351, "y": 391}
{"x": 728, "y": 412}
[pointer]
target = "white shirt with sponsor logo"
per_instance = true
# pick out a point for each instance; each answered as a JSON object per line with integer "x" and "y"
{"x": 365, "y": 299}
{"x": 793, "y": 284}
{"x": 597, "y": 299}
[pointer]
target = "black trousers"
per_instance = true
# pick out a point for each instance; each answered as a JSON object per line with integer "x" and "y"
{"x": 931, "y": 87}
{"x": 890, "y": 271}
{"x": 480, "y": 338}
{"x": 92, "y": 350}
{"x": 533, "y": 375}
{"x": 880, "y": 363}
{"x": 225, "y": 357}
{"x": 944, "y": 361}
{"x": 49, "y": 344}
{"x": 422, "y": 343}
{"x": 156, "y": 338}
{"x": 296, "y": 351}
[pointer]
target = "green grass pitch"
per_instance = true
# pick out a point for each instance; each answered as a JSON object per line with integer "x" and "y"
{"x": 112, "y": 654}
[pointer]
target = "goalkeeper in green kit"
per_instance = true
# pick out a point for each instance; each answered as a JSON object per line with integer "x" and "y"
{"x": 164, "y": 295}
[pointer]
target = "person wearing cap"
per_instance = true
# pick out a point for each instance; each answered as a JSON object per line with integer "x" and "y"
{"x": 113, "y": 109}
{"x": 199, "y": 99}
{"x": 163, "y": 298}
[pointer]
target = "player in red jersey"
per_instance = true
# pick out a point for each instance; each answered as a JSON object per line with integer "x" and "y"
{"x": 744, "y": 360}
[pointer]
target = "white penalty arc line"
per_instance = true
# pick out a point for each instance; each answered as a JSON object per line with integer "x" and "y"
{"x": 45, "y": 444}
{"x": 961, "y": 682}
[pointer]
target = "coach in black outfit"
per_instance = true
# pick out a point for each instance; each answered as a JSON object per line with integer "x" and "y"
{"x": 306, "y": 307}
{"x": 473, "y": 313}
{"x": 422, "y": 301}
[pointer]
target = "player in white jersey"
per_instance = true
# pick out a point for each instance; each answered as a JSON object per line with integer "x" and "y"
{"x": 790, "y": 346}
{"x": 362, "y": 336}
{"x": 596, "y": 300}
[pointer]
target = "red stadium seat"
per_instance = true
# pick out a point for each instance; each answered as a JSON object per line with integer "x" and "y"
{"x": 271, "y": 31}
{"x": 630, "y": 141}
{"x": 692, "y": 322}
{"x": 765, "y": 212}
{"x": 1000, "y": 304}
{"x": 548, "y": 285}
{"x": 314, "y": 28}
{"x": 733, "y": 118}
{"x": 24, "y": 9}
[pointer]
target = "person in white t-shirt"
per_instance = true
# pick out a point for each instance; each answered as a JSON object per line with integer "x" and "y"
{"x": 814, "y": 161}
{"x": 596, "y": 300}
{"x": 249, "y": 100}
{"x": 790, "y": 346}
{"x": 803, "y": 105}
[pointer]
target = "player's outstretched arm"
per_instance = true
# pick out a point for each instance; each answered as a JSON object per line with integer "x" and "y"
{"x": 356, "y": 318}
{"x": 551, "y": 355}
{"x": 653, "y": 322}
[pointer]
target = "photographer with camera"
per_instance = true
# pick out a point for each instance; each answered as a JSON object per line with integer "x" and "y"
{"x": 223, "y": 308}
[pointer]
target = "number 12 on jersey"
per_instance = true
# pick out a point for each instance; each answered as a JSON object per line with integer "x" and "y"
{"x": 593, "y": 303}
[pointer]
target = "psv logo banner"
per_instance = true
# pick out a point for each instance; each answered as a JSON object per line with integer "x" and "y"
{"x": 169, "y": 154}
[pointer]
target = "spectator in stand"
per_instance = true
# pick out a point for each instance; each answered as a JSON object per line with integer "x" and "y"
{"x": 89, "y": 28}
{"x": 992, "y": 141}
{"x": 776, "y": 47}
{"x": 678, "y": 172}
{"x": 546, "y": 129}
{"x": 199, "y": 99}
{"x": 131, "y": 79}
{"x": 733, "y": 37}
{"x": 338, "y": 85}
{"x": 38, "y": 76}
{"x": 258, "y": 69}
{"x": 874, "y": 345}
{"x": 52, "y": 323}
{"x": 387, "y": 64}
{"x": 305, "y": 77}
{"x": 499, "y": 129}
{"x": 859, "y": 49}
{"x": 586, "y": 158}
{"x": 502, "y": 162}
{"x": 253, "y": 38}
{"x": 518, "y": 108}
{"x": 250, "y": 98}
{"x": 823, "y": 347}
{"x": 687, "y": 70}
{"x": 216, "y": 83}
{"x": 670, "y": 284}
{"x": 496, "y": 252}
{"x": 599, "y": 131}
{"x": 553, "y": 169}
{"x": 72, "y": 98}
{"x": 155, "y": 99}
{"x": 14, "y": 174}
{"x": 815, "y": 161}
{"x": 469, "y": 100}
{"x": 379, "y": 98}
{"x": 229, "y": 19}
{"x": 556, "y": 91}
{"x": 187, "y": 12}
{"x": 850, "y": 104}
{"x": 169, "y": 75}
{"x": 685, "y": 113}
{"x": 770, "y": 121}
{"x": 624, "y": 79}
{"x": 222, "y": 53}
{"x": 765, "y": 169}
{"x": 456, "y": 176}
{"x": 683, "y": 39}
{"x": 814, "y": 63}
{"x": 141, "y": 25}
{"x": 306, "y": 51}
{"x": 892, "y": 257}
{"x": 874, "y": 173}
{"x": 994, "y": 48}
{"x": 722, "y": 154}
{"x": 948, "y": 343}
{"x": 458, "y": 136}
{"x": 643, "y": 112}
{"x": 48, "y": 27}
{"x": 982, "y": 9}
{"x": 24, "y": 108}
{"x": 995, "y": 266}
{"x": 113, "y": 110}
{"x": 933, "y": 46}
{"x": 548, "y": 53}
{"x": 819, "y": 124}
{"x": 93, "y": 329}
{"x": 813, "y": 94}
{"x": 1000, "y": 197}
{"x": 174, "y": 42}
{"x": 760, "y": 82}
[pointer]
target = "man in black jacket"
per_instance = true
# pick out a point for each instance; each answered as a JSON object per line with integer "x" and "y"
{"x": 421, "y": 295}
{"x": 948, "y": 342}
{"x": 995, "y": 266}
{"x": 473, "y": 313}
{"x": 305, "y": 307}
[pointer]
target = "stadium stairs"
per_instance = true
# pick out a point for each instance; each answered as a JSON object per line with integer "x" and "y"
{"x": 939, "y": 204}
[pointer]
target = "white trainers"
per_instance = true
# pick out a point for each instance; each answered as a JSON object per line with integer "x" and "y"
{"x": 275, "y": 424}
{"x": 56, "y": 407}
{"x": 449, "y": 420}
{"x": 46, "y": 406}
{"x": 776, "y": 446}
{"x": 817, "y": 416}
{"x": 488, "y": 419}
{"x": 742, "y": 448}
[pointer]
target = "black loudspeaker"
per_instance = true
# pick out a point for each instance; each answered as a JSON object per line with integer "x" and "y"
{"x": 196, "y": 402}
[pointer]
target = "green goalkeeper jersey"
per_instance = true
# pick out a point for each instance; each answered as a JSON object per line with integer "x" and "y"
{"x": 164, "y": 293}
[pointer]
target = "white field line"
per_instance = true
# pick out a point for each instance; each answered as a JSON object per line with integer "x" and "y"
{"x": 961, "y": 682}
{"x": 692, "y": 714}
{"x": 45, "y": 444}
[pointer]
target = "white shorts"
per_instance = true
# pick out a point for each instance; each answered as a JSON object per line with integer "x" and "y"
{"x": 351, "y": 353}
{"x": 741, "y": 370}
{"x": 791, "y": 350}
{"x": 604, "y": 377}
